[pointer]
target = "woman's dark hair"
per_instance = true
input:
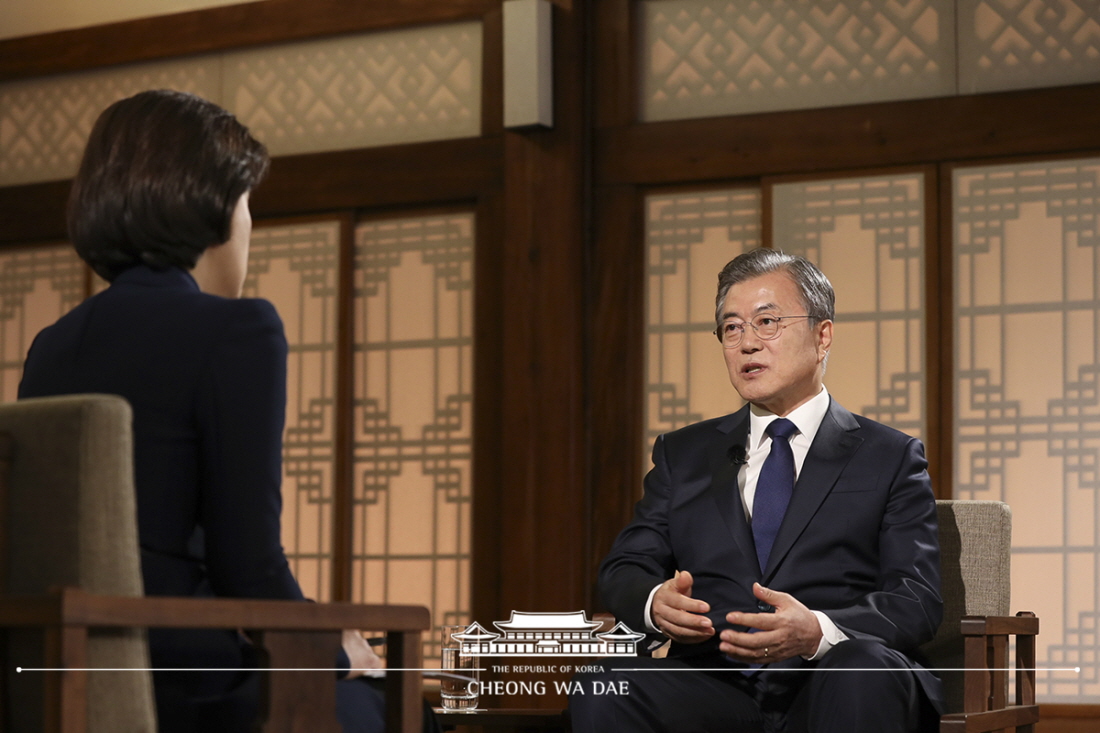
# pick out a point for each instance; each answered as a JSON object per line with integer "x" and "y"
{"x": 161, "y": 176}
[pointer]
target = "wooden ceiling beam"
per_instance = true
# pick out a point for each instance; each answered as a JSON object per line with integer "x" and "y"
{"x": 216, "y": 29}
{"x": 1021, "y": 123}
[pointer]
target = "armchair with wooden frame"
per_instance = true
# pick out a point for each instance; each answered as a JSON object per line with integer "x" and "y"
{"x": 975, "y": 551}
{"x": 72, "y": 608}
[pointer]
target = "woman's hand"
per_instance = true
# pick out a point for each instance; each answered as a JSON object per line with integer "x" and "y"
{"x": 361, "y": 656}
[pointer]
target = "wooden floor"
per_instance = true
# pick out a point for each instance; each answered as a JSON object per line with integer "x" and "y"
{"x": 1068, "y": 719}
{"x": 1055, "y": 719}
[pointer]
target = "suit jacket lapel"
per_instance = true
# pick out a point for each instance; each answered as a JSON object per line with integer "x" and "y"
{"x": 723, "y": 485}
{"x": 834, "y": 445}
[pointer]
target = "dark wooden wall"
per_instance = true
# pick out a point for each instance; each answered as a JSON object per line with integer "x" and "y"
{"x": 559, "y": 302}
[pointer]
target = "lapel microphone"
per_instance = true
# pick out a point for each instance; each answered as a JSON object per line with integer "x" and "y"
{"x": 738, "y": 455}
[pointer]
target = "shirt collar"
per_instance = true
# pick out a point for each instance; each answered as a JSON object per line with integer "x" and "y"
{"x": 806, "y": 417}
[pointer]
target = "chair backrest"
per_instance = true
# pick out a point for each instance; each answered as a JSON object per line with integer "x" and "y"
{"x": 975, "y": 554}
{"x": 69, "y": 519}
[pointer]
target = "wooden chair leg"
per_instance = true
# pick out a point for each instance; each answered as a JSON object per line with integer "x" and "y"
{"x": 66, "y": 692}
{"x": 1025, "y": 670}
{"x": 300, "y": 701}
{"x": 997, "y": 654}
{"x": 403, "y": 652}
{"x": 976, "y": 687}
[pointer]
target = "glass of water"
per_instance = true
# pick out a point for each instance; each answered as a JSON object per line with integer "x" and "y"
{"x": 459, "y": 686}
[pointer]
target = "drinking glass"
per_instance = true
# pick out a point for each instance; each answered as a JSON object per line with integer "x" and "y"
{"x": 459, "y": 686}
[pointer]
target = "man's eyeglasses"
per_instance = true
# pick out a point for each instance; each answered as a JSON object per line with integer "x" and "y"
{"x": 766, "y": 326}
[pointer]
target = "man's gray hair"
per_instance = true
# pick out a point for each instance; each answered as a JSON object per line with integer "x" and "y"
{"x": 813, "y": 286}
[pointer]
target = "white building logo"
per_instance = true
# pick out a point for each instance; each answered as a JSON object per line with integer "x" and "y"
{"x": 549, "y": 634}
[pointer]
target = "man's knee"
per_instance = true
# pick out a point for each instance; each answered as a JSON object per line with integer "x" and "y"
{"x": 859, "y": 685}
{"x": 586, "y": 703}
{"x": 587, "y": 684}
{"x": 858, "y": 654}
{"x": 658, "y": 695}
{"x": 865, "y": 678}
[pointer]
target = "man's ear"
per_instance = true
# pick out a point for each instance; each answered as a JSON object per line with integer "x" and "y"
{"x": 824, "y": 338}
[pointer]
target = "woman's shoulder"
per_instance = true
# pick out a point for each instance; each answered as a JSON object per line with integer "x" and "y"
{"x": 175, "y": 290}
{"x": 247, "y": 309}
{"x": 243, "y": 321}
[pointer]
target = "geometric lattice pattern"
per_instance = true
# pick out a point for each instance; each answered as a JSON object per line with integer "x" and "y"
{"x": 689, "y": 239}
{"x": 1027, "y": 431}
{"x": 354, "y": 92}
{"x": 38, "y": 285}
{"x": 867, "y": 235}
{"x": 376, "y": 89}
{"x": 44, "y": 123}
{"x": 1007, "y": 44}
{"x": 703, "y": 58}
{"x": 296, "y": 268}
{"x": 413, "y": 400}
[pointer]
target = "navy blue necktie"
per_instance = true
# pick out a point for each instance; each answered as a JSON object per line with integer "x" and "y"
{"x": 773, "y": 489}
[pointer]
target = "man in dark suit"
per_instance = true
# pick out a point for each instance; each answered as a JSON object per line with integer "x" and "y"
{"x": 776, "y": 546}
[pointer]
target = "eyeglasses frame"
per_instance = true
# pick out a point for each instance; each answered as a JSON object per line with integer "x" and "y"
{"x": 756, "y": 330}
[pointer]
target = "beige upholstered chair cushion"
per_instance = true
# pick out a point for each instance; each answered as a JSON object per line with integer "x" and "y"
{"x": 71, "y": 520}
{"x": 975, "y": 544}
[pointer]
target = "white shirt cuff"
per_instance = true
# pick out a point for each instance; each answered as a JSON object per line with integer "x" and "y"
{"x": 830, "y": 635}
{"x": 649, "y": 607}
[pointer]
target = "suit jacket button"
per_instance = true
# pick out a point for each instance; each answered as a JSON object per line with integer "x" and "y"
{"x": 764, "y": 607}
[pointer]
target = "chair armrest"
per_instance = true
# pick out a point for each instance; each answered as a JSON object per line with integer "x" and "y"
{"x": 1019, "y": 625}
{"x": 294, "y": 636}
{"x": 605, "y": 620}
{"x": 985, "y": 649}
{"x": 72, "y": 606}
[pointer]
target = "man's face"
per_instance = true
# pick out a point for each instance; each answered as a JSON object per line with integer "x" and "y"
{"x": 781, "y": 374}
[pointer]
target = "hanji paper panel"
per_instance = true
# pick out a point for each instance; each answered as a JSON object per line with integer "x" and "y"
{"x": 1027, "y": 369}
{"x": 413, "y": 404}
{"x": 689, "y": 239}
{"x": 867, "y": 235}
{"x": 295, "y": 267}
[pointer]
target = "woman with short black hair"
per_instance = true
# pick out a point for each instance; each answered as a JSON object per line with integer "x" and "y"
{"x": 159, "y": 208}
{"x": 161, "y": 176}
